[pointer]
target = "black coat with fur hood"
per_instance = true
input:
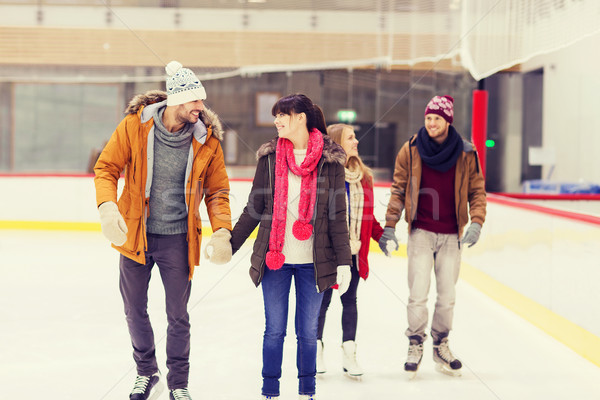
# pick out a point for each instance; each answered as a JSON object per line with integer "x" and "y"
{"x": 331, "y": 246}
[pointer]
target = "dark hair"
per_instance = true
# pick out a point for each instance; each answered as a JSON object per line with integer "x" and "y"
{"x": 300, "y": 103}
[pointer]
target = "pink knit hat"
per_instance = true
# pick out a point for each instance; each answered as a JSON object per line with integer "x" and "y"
{"x": 442, "y": 106}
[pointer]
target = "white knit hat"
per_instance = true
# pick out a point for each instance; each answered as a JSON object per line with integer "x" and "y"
{"x": 182, "y": 85}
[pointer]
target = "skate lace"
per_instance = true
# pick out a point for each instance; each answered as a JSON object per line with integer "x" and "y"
{"x": 181, "y": 394}
{"x": 141, "y": 383}
{"x": 415, "y": 352}
{"x": 445, "y": 353}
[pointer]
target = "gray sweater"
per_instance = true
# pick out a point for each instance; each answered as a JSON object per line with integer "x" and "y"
{"x": 167, "y": 210}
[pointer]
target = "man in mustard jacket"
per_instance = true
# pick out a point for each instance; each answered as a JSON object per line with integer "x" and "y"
{"x": 439, "y": 185}
{"x": 169, "y": 148}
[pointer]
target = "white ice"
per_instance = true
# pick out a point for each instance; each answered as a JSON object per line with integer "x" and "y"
{"x": 63, "y": 334}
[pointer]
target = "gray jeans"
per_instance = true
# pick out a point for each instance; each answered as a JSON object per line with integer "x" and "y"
{"x": 169, "y": 252}
{"x": 427, "y": 250}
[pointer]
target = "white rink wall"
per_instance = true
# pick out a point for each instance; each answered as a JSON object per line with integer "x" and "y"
{"x": 551, "y": 260}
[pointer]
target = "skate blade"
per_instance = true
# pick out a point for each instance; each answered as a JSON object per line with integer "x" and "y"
{"x": 356, "y": 377}
{"x": 446, "y": 370}
{"x": 411, "y": 374}
{"x": 156, "y": 391}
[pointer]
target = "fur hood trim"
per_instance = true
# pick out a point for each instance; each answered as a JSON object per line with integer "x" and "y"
{"x": 332, "y": 152}
{"x": 208, "y": 117}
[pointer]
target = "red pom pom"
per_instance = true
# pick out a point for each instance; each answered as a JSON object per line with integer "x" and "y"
{"x": 302, "y": 230}
{"x": 335, "y": 286}
{"x": 274, "y": 260}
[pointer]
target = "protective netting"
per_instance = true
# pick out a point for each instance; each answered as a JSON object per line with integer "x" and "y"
{"x": 497, "y": 34}
{"x": 264, "y": 36}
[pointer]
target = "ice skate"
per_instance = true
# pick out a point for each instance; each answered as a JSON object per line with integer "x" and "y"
{"x": 147, "y": 387}
{"x": 321, "y": 368}
{"x": 263, "y": 397}
{"x": 413, "y": 360}
{"x": 307, "y": 397}
{"x": 179, "y": 394}
{"x": 445, "y": 362}
{"x": 349, "y": 363}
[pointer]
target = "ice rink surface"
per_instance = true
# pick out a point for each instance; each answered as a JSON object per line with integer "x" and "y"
{"x": 64, "y": 334}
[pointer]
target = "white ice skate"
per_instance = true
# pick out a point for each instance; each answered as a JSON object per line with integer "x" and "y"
{"x": 321, "y": 368}
{"x": 445, "y": 362}
{"x": 349, "y": 363}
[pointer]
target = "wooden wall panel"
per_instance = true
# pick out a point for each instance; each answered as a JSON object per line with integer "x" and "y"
{"x": 118, "y": 47}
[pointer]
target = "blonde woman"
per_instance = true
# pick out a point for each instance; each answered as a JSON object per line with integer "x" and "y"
{"x": 362, "y": 226}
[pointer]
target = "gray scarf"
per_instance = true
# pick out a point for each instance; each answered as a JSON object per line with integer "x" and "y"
{"x": 181, "y": 138}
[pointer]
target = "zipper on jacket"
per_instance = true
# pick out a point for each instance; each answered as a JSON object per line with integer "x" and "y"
{"x": 146, "y": 205}
{"x": 263, "y": 266}
{"x": 462, "y": 179}
{"x": 408, "y": 189}
{"x": 314, "y": 219}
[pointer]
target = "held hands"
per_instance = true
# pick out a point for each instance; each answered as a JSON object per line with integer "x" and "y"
{"x": 343, "y": 278}
{"x": 218, "y": 248}
{"x": 388, "y": 241}
{"x": 113, "y": 224}
{"x": 471, "y": 235}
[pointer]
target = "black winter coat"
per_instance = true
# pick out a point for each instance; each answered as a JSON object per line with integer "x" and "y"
{"x": 331, "y": 246}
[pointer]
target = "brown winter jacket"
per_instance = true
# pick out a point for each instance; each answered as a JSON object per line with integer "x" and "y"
{"x": 469, "y": 187}
{"x": 127, "y": 149}
{"x": 331, "y": 244}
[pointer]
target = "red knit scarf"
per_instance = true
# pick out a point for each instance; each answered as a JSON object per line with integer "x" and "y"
{"x": 285, "y": 160}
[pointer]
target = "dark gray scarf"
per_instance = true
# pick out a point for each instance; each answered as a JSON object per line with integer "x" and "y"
{"x": 440, "y": 157}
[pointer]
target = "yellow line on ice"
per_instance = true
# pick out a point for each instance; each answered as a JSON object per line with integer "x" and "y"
{"x": 571, "y": 335}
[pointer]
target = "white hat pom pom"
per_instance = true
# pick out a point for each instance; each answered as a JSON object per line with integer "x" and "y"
{"x": 173, "y": 67}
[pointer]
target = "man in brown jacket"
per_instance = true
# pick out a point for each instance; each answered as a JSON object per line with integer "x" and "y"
{"x": 439, "y": 184}
{"x": 169, "y": 146}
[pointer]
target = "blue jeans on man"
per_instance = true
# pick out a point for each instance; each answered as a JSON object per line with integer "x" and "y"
{"x": 276, "y": 289}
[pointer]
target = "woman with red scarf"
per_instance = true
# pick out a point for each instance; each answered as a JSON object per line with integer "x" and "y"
{"x": 362, "y": 226}
{"x": 298, "y": 197}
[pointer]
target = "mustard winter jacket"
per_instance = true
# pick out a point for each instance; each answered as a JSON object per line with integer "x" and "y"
{"x": 127, "y": 150}
{"x": 469, "y": 187}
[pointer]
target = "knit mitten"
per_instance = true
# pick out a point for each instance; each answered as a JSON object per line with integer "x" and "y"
{"x": 112, "y": 223}
{"x": 343, "y": 278}
{"x": 218, "y": 249}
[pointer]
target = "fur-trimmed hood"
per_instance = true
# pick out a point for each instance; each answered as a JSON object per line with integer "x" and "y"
{"x": 208, "y": 117}
{"x": 332, "y": 152}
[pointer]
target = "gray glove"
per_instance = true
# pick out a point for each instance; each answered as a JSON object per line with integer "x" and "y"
{"x": 471, "y": 235}
{"x": 389, "y": 234}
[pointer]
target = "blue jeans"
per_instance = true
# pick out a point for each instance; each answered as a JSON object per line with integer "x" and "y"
{"x": 276, "y": 291}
